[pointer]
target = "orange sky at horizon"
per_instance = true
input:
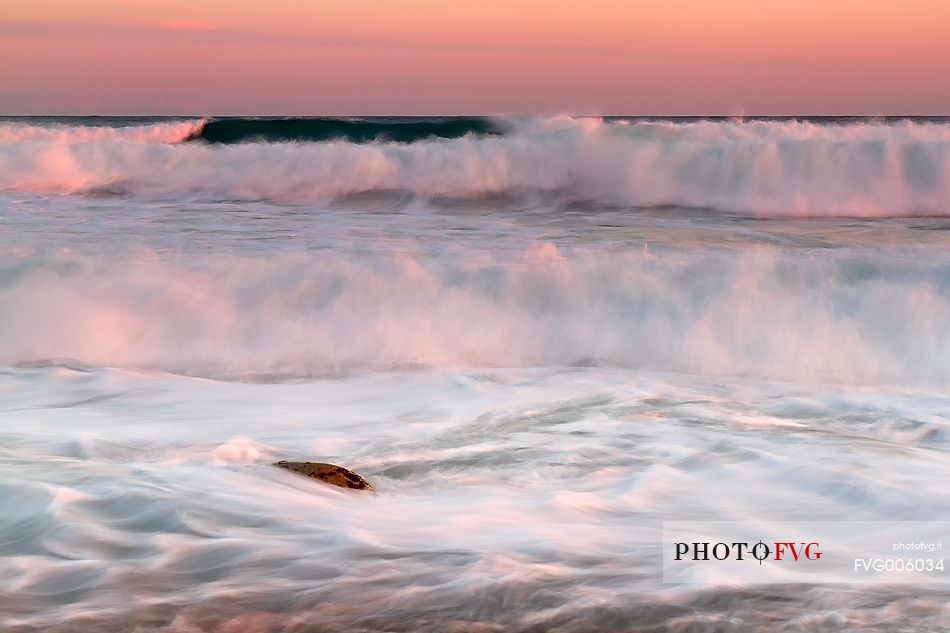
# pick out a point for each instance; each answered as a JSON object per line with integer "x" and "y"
{"x": 426, "y": 57}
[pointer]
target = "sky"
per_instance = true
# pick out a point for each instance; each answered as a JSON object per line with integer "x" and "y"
{"x": 320, "y": 57}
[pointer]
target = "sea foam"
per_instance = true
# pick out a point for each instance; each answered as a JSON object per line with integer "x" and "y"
{"x": 764, "y": 168}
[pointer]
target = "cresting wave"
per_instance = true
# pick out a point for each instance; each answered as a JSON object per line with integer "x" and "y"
{"x": 231, "y": 130}
{"x": 13, "y": 133}
{"x": 353, "y": 130}
{"x": 796, "y": 315}
{"x": 766, "y": 168}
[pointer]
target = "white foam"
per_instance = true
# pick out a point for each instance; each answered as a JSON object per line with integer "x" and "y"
{"x": 763, "y": 167}
{"x": 756, "y": 311}
{"x": 242, "y": 450}
{"x": 63, "y": 134}
{"x": 527, "y": 482}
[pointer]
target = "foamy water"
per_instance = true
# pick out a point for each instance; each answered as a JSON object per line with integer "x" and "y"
{"x": 760, "y": 168}
{"x": 533, "y": 370}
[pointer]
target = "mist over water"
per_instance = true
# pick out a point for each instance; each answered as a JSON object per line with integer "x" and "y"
{"x": 796, "y": 314}
{"x": 537, "y": 345}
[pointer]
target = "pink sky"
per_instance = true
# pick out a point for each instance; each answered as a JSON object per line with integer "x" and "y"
{"x": 491, "y": 56}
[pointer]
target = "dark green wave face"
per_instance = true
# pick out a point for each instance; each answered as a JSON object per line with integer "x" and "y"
{"x": 366, "y": 130}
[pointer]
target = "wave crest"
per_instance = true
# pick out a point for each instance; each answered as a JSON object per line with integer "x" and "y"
{"x": 357, "y": 130}
{"x": 12, "y": 133}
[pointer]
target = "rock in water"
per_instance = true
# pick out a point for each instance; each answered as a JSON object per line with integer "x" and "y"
{"x": 327, "y": 473}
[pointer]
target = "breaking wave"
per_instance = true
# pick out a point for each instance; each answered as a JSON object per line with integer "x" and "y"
{"x": 765, "y": 168}
{"x": 354, "y": 130}
{"x": 60, "y": 133}
{"x": 792, "y": 315}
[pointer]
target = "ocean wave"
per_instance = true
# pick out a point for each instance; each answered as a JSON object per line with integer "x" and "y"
{"x": 766, "y": 168}
{"x": 800, "y": 315}
{"x": 353, "y": 130}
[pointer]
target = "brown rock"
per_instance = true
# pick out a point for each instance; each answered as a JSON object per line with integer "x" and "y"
{"x": 327, "y": 473}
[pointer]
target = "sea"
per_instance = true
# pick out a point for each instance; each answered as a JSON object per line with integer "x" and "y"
{"x": 539, "y": 338}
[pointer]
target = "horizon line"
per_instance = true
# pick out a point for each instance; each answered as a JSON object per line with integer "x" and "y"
{"x": 483, "y": 115}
